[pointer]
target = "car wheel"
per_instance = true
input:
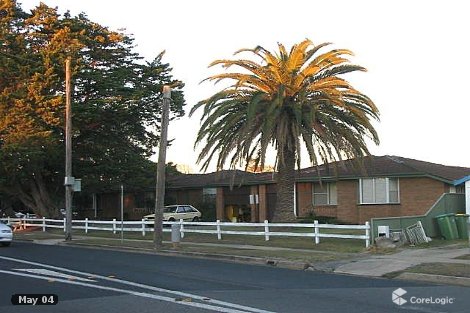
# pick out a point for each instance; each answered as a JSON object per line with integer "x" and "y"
{"x": 171, "y": 219}
{"x": 6, "y": 244}
{"x": 196, "y": 219}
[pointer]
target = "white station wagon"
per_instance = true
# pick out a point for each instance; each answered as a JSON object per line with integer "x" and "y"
{"x": 179, "y": 211}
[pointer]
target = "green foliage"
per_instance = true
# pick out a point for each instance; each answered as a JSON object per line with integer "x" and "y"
{"x": 283, "y": 100}
{"x": 116, "y": 106}
{"x": 208, "y": 211}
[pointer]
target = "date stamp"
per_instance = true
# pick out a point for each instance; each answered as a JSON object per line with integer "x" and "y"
{"x": 34, "y": 299}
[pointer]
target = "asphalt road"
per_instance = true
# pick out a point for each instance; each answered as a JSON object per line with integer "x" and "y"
{"x": 92, "y": 280}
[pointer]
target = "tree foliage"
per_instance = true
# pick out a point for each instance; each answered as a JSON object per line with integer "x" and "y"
{"x": 116, "y": 106}
{"x": 284, "y": 100}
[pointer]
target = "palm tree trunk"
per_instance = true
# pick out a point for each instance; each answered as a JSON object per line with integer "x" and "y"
{"x": 284, "y": 210}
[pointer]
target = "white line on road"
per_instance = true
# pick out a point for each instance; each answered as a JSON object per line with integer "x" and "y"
{"x": 135, "y": 293}
{"x": 42, "y": 271}
{"x": 227, "y": 305}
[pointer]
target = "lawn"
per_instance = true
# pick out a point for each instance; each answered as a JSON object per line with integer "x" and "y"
{"x": 334, "y": 245}
{"x": 449, "y": 269}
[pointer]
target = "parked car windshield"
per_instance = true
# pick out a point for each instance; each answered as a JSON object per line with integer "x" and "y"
{"x": 170, "y": 209}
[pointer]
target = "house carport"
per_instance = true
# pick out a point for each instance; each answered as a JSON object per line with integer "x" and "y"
{"x": 257, "y": 198}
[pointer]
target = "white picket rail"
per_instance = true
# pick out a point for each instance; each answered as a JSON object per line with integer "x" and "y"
{"x": 144, "y": 226}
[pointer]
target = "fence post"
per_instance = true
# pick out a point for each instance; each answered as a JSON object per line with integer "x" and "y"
{"x": 86, "y": 225}
{"x": 219, "y": 235}
{"x": 367, "y": 234}
{"x": 8, "y": 220}
{"x": 266, "y": 230}
{"x": 64, "y": 224}
{"x": 317, "y": 232}
{"x": 43, "y": 224}
{"x": 181, "y": 228}
{"x": 114, "y": 225}
{"x": 143, "y": 227}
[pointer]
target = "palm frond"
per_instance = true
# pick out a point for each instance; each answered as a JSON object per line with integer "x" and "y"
{"x": 288, "y": 99}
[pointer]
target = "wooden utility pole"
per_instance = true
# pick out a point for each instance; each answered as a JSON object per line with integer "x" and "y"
{"x": 69, "y": 180}
{"x": 160, "y": 186}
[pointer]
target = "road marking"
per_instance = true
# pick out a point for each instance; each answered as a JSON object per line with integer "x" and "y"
{"x": 227, "y": 306}
{"x": 130, "y": 292}
{"x": 49, "y": 273}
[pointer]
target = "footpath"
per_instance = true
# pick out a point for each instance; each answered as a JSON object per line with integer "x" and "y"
{"x": 390, "y": 265}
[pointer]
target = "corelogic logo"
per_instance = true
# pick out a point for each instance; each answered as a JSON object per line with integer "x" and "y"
{"x": 397, "y": 296}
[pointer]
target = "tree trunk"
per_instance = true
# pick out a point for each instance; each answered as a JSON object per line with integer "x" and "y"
{"x": 34, "y": 195}
{"x": 284, "y": 210}
{"x": 44, "y": 206}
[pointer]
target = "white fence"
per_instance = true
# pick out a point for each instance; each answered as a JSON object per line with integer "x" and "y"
{"x": 219, "y": 228}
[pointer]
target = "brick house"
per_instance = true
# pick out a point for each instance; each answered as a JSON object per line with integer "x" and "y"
{"x": 353, "y": 191}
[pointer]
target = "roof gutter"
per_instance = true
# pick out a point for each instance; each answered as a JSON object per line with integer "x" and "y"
{"x": 461, "y": 180}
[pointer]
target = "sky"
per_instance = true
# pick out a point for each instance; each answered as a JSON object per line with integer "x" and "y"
{"x": 416, "y": 53}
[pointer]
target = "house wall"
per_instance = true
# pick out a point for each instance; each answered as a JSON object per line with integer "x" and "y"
{"x": 304, "y": 199}
{"x": 239, "y": 196}
{"x": 347, "y": 208}
{"x": 417, "y": 195}
{"x": 109, "y": 205}
{"x": 186, "y": 196}
{"x": 271, "y": 194}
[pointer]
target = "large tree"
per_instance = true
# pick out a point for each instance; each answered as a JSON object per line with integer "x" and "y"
{"x": 282, "y": 99}
{"x": 116, "y": 110}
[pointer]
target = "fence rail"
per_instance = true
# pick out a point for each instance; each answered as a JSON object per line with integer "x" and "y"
{"x": 219, "y": 228}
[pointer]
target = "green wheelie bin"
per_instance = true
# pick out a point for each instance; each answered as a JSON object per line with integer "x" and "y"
{"x": 461, "y": 220}
{"x": 447, "y": 226}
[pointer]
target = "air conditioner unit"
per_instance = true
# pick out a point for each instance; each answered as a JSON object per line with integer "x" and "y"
{"x": 383, "y": 231}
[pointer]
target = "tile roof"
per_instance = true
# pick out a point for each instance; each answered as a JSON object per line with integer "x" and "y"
{"x": 386, "y": 165}
{"x": 215, "y": 179}
{"x": 371, "y": 166}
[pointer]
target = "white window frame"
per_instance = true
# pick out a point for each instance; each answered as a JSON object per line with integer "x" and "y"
{"x": 328, "y": 194}
{"x": 387, "y": 188}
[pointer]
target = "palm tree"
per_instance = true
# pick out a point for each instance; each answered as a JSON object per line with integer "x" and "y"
{"x": 281, "y": 101}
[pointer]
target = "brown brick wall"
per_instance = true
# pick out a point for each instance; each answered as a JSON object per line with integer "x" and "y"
{"x": 263, "y": 213}
{"x": 417, "y": 195}
{"x": 347, "y": 201}
{"x": 304, "y": 199}
{"x": 188, "y": 196}
{"x": 326, "y": 210}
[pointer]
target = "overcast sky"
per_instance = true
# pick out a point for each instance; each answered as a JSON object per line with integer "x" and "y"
{"x": 416, "y": 53}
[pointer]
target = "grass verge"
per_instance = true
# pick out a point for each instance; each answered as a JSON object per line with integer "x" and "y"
{"x": 297, "y": 256}
{"x": 463, "y": 257}
{"x": 290, "y": 249}
{"x": 333, "y": 245}
{"x": 447, "y": 269}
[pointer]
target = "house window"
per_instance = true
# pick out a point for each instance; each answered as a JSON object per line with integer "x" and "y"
{"x": 209, "y": 194}
{"x": 324, "y": 194}
{"x": 379, "y": 191}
